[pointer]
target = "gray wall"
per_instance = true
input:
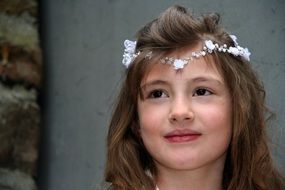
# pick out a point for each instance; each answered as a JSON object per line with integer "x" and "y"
{"x": 83, "y": 45}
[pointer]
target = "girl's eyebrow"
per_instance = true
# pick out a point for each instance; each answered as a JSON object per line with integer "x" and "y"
{"x": 191, "y": 80}
{"x": 207, "y": 79}
{"x": 154, "y": 82}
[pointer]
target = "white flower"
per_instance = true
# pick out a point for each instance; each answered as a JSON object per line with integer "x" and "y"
{"x": 130, "y": 46}
{"x": 210, "y": 45}
{"x": 233, "y": 50}
{"x": 245, "y": 54}
{"x": 129, "y": 52}
{"x": 127, "y": 59}
{"x": 234, "y": 38}
{"x": 240, "y": 51}
{"x": 179, "y": 63}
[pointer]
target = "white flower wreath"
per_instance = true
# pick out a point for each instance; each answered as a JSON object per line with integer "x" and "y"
{"x": 178, "y": 63}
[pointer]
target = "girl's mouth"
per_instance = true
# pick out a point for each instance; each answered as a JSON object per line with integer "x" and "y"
{"x": 179, "y": 136}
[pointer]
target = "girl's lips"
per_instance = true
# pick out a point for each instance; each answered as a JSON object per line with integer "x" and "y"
{"x": 179, "y": 136}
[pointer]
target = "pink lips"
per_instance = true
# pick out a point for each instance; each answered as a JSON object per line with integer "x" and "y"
{"x": 179, "y": 136}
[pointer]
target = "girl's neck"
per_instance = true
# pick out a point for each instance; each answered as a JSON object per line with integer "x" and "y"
{"x": 209, "y": 178}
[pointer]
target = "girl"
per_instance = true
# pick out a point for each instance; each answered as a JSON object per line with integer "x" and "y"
{"x": 191, "y": 112}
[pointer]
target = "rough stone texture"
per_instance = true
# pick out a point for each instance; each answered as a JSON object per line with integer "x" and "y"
{"x": 15, "y": 180}
{"x": 20, "y": 56}
{"x": 19, "y": 6}
{"x": 19, "y": 30}
{"x": 20, "y": 79}
{"x": 21, "y": 67}
{"x": 19, "y": 129}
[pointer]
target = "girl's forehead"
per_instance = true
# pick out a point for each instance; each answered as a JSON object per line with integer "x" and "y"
{"x": 203, "y": 67}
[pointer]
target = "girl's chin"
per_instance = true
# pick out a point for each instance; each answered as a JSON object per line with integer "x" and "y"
{"x": 186, "y": 164}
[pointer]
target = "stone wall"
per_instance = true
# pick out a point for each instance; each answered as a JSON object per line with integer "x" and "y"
{"x": 20, "y": 81}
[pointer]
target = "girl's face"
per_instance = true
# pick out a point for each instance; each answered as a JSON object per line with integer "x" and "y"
{"x": 185, "y": 116}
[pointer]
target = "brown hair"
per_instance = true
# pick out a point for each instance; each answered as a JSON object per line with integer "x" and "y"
{"x": 248, "y": 163}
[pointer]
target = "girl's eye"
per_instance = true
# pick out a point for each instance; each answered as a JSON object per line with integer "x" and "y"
{"x": 157, "y": 94}
{"x": 202, "y": 92}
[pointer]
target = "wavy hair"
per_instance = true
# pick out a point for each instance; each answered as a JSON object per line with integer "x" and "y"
{"x": 248, "y": 165}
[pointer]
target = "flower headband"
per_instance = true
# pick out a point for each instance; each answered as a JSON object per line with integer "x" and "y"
{"x": 209, "y": 47}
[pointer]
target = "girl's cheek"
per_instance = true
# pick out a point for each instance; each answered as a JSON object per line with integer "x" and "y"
{"x": 151, "y": 118}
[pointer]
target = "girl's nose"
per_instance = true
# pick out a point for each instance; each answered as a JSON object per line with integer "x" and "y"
{"x": 181, "y": 111}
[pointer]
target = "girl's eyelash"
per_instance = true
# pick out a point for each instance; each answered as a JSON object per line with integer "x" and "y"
{"x": 157, "y": 93}
{"x": 202, "y": 91}
{"x": 160, "y": 93}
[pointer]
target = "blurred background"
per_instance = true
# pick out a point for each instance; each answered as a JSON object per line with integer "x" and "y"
{"x": 81, "y": 45}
